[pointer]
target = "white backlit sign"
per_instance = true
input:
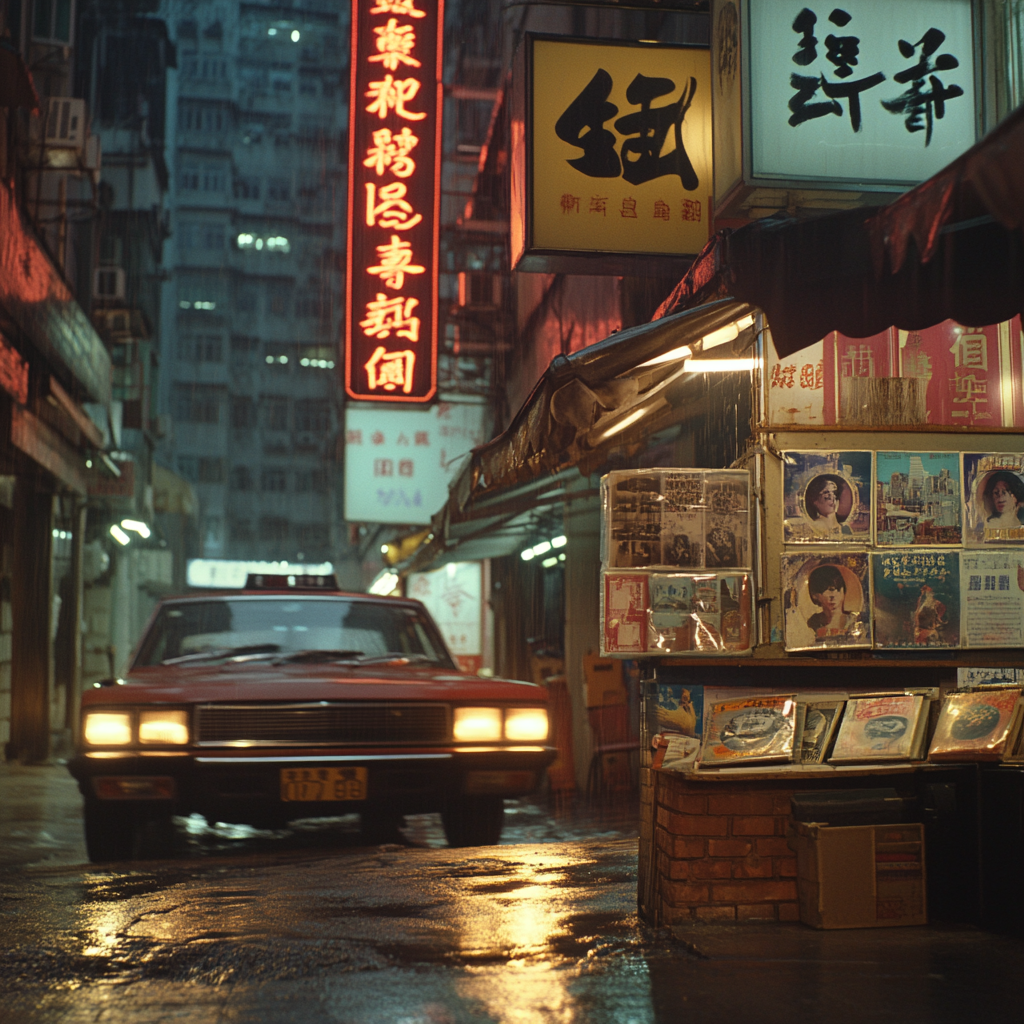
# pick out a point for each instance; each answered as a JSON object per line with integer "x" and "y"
{"x": 399, "y": 460}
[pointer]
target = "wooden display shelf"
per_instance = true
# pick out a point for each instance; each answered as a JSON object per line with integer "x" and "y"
{"x": 801, "y": 773}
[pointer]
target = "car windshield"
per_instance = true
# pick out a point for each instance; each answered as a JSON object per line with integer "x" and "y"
{"x": 342, "y": 628}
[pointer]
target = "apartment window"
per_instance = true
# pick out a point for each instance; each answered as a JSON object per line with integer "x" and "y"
{"x": 240, "y": 530}
{"x": 310, "y": 481}
{"x": 188, "y": 180}
{"x": 275, "y": 413}
{"x": 313, "y": 535}
{"x": 274, "y": 528}
{"x": 212, "y": 530}
{"x": 201, "y": 348}
{"x": 274, "y": 480}
{"x": 201, "y": 117}
{"x": 244, "y": 349}
{"x": 197, "y": 405}
{"x": 241, "y": 479}
{"x": 246, "y": 297}
{"x": 247, "y": 187}
{"x": 277, "y": 301}
{"x": 188, "y": 468}
{"x": 307, "y": 84}
{"x": 201, "y": 235}
{"x": 313, "y": 416}
{"x": 53, "y": 20}
{"x": 308, "y": 304}
{"x": 211, "y": 471}
{"x": 279, "y": 189}
{"x": 243, "y": 413}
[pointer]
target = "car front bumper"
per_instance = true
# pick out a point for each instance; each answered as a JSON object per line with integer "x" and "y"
{"x": 232, "y": 785}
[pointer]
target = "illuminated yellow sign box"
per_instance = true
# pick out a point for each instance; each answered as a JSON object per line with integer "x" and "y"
{"x": 619, "y": 148}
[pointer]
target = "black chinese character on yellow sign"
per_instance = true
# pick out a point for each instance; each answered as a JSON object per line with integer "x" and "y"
{"x": 641, "y": 157}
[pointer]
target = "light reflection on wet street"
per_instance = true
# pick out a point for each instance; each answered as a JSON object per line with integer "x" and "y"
{"x": 307, "y": 925}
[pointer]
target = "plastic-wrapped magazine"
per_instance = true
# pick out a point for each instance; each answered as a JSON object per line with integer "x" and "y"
{"x": 978, "y": 726}
{"x": 883, "y": 728}
{"x": 706, "y": 614}
{"x": 676, "y": 518}
{"x": 820, "y": 721}
{"x": 624, "y": 601}
{"x": 749, "y": 730}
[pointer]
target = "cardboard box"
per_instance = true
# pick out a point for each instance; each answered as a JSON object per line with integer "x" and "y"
{"x": 861, "y": 876}
{"x": 605, "y": 681}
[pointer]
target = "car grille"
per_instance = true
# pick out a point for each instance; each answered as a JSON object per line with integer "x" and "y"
{"x": 320, "y": 724}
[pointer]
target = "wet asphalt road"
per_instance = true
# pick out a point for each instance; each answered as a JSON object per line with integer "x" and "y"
{"x": 309, "y": 926}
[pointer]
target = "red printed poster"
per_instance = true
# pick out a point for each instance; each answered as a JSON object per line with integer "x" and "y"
{"x": 973, "y": 374}
{"x": 624, "y": 618}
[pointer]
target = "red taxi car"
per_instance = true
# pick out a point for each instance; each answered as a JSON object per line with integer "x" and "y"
{"x": 264, "y": 706}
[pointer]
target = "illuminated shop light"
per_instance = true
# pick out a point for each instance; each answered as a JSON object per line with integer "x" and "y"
{"x": 549, "y": 562}
{"x": 296, "y": 35}
{"x": 384, "y": 584}
{"x": 527, "y": 555}
{"x": 559, "y": 542}
{"x": 201, "y": 304}
{"x": 271, "y": 31}
{"x": 275, "y": 243}
{"x": 136, "y": 526}
{"x": 721, "y": 365}
{"x": 119, "y": 535}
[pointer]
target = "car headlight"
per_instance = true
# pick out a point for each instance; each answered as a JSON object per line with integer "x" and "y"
{"x": 526, "y": 724}
{"x": 163, "y": 727}
{"x": 477, "y": 724}
{"x": 107, "y": 729}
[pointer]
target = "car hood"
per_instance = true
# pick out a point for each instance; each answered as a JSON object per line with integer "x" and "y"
{"x": 263, "y": 681}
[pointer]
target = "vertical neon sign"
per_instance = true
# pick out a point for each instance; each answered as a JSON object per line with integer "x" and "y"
{"x": 394, "y": 171}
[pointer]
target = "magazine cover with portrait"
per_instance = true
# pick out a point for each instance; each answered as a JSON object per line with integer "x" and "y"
{"x": 917, "y": 499}
{"x": 916, "y": 598}
{"x": 827, "y": 497}
{"x": 993, "y": 498}
{"x": 826, "y": 600}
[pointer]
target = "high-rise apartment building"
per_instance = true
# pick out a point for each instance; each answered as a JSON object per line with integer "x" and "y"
{"x": 251, "y": 312}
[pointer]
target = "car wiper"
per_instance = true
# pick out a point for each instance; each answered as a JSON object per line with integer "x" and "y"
{"x": 315, "y": 656}
{"x": 223, "y": 652}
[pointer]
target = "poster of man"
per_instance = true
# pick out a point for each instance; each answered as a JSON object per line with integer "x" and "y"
{"x": 827, "y": 497}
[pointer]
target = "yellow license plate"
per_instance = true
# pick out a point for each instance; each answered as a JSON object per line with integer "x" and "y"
{"x": 323, "y": 784}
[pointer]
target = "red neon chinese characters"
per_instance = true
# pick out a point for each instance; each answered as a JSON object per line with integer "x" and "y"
{"x": 395, "y": 262}
{"x": 391, "y": 152}
{"x": 391, "y": 291}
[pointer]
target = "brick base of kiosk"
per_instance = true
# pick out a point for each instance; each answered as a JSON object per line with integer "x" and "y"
{"x": 714, "y": 849}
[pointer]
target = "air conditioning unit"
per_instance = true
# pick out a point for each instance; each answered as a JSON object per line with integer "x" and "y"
{"x": 479, "y": 290}
{"x": 66, "y": 123}
{"x": 108, "y": 283}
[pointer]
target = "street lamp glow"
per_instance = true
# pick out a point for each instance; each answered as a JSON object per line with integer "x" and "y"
{"x": 296, "y": 35}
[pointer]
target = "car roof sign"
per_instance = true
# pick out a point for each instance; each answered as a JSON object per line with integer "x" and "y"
{"x": 290, "y": 581}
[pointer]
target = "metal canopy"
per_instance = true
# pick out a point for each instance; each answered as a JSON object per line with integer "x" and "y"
{"x": 585, "y": 404}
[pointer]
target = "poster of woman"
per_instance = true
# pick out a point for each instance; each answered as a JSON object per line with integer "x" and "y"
{"x": 827, "y": 497}
{"x": 826, "y": 600}
{"x": 916, "y": 598}
{"x": 993, "y": 498}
